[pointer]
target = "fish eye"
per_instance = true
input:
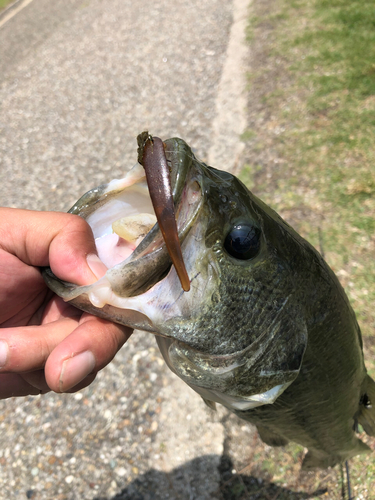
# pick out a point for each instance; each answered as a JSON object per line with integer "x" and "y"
{"x": 243, "y": 241}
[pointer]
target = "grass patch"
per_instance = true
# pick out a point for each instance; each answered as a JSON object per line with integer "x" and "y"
{"x": 4, "y": 3}
{"x": 323, "y": 126}
{"x": 311, "y": 142}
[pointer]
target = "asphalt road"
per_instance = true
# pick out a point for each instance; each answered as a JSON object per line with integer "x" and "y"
{"x": 78, "y": 81}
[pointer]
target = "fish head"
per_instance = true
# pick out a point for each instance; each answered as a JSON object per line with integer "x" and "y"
{"x": 238, "y": 336}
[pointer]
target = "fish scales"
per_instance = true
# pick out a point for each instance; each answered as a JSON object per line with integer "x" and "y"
{"x": 266, "y": 328}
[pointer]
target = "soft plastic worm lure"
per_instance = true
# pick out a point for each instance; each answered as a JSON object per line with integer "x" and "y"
{"x": 156, "y": 167}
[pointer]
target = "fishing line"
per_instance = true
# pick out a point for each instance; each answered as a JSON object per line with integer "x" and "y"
{"x": 348, "y": 481}
{"x": 320, "y": 234}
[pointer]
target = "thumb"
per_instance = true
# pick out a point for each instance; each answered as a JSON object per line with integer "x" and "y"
{"x": 63, "y": 241}
{"x": 73, "y": 255}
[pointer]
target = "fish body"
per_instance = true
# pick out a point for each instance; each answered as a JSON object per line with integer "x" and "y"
{"x": 266, "y": 328}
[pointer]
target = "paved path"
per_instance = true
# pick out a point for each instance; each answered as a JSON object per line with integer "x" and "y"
{"x": 78, "y": 81}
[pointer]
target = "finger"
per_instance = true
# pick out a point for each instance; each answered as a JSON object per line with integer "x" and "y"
{"x": 91, "y": 346}
{"x": 26, "y": 348}
{"x": 84, "y": 383}
{"x": 14, "y": 385}
{"x": 31, "y": 384}
{"x": 22, "y": 289}
{"x": 63, "y": 241}
{"x": 37, "y": 380}
{"x": 57, "y": 309}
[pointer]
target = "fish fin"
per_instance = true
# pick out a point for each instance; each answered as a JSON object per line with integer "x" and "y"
{"x": 210, "y": 404}
{"x": 271, "y": 438}
{"x": 366, "y": 411}
{"x": 315, "y": 459}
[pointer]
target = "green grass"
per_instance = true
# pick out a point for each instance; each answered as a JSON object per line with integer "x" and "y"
{"x": 313, "y": 86}
{"x": 327, "y": 109}
{"x": 4, "y": 3}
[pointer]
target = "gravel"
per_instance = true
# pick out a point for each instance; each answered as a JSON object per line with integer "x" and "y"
{"x": 92, "y": 78}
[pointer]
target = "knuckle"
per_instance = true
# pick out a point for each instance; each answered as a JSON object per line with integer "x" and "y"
{"x": 76, "y": 224}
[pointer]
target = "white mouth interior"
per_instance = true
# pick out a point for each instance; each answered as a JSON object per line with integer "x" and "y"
{"x": 120, "y": 224}
{"x": 120, "y": 215}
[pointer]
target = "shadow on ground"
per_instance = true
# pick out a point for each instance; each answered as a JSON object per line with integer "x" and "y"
{"x": 192, "y": 482}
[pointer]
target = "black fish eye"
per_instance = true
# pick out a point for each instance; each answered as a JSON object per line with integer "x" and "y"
{"x": 243, "y": 241}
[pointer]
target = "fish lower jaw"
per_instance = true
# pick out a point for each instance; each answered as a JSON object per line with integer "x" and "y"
{"x": 241, "y": 403}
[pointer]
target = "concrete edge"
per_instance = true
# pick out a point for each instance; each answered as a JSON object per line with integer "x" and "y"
{"x": 12, "y": 10}
{"x": 231, "y": 102}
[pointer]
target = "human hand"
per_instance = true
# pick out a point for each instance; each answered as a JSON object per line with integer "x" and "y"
{"x": 45, "y": 343}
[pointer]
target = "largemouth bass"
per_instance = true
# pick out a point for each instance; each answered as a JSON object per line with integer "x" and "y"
{"x": 265, "y": 329}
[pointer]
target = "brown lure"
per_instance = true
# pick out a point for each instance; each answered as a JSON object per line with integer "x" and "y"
{"x": 151, "y": 155}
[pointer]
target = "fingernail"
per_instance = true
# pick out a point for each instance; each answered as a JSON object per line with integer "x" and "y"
{"x": 97, "y": 267}
{"x": 76, "y": 369}
{"x": 4, "y": 350}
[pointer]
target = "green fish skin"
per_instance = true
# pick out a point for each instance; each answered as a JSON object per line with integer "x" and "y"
{"x": 266, "y": 328}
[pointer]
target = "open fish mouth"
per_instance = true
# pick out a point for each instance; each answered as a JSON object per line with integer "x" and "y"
{"x": 162, "y": 231}
{"x": 139, "y": 224}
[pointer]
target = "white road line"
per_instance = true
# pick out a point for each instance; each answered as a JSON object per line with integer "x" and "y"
{"x": 12, "y": 10}
{"x": 231, "y": 102}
